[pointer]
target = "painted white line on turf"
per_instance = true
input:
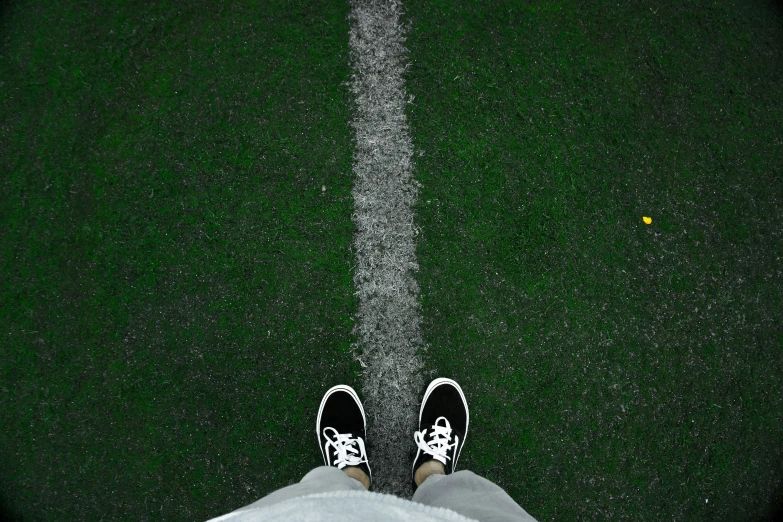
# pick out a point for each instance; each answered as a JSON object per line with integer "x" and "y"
{"x": 387, "y": 326}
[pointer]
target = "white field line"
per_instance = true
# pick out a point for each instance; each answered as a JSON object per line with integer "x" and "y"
{"x": 387, "y": 326}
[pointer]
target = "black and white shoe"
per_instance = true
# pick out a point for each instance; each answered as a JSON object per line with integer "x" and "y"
{"x": 342, "y": 429}
{"x": 444, "y": 413}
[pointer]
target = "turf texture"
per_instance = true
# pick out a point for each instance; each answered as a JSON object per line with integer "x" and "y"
{"x": 176, "y": 288}
{"x": 175, "y": 291}
{"x": 617, "y": 371}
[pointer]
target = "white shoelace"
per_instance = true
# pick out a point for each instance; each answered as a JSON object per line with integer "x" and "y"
{"x": 439, "y": 444}
{"x": 343, "y": 443}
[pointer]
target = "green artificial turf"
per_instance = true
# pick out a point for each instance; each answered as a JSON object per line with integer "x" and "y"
{"x": 176, "y": 292}
{"x": 615, "y": 371}
{"x": 175, "y": 287}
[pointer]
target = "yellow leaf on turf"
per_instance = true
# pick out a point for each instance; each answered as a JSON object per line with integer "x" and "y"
{"x": 647, "y": 220}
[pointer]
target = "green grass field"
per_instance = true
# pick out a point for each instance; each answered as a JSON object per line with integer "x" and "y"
{"x": 176, "y": 294}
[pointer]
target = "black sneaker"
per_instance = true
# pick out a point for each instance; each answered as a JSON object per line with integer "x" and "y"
{"x": 444, "y": 414}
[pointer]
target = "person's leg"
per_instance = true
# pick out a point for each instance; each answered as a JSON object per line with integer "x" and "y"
{"x": 320, "y": 480}
{"x": 467, "y": 494}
